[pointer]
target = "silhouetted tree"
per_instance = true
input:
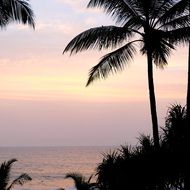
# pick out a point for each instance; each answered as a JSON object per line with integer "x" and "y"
{"x": 16, "y": 10}
{"x": 174, "y": 132}
{"x": 5, "y": 170}
{"x": 134, "y": 167}
{"x": 153, "y": 24}
{"x": 174, "y": 141}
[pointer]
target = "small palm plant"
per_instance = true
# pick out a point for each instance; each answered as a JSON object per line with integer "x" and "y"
{"x": 174, "y": 135}
{"x": 81, "y": 183}
{"x": 5, "y": 183}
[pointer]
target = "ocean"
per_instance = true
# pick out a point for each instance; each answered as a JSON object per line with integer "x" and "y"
{"x": 48, "y": 165}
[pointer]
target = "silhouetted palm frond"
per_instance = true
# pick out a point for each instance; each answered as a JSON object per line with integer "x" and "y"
{"x": 120, "y": 10}
{"x": 112, "y": 62}
{"x": 16, "y": 10}
{"x": 81, "y": 183}
{"x": 21, "y": 180}
{"x": 175, "y": 128}
{"x": 5, "y": 170}
{"x": 99, "y": 37}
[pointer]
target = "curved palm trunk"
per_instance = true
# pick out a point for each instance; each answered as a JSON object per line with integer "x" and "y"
{"x": 152, "y": 100}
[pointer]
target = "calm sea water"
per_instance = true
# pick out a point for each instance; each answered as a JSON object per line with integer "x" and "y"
{"x": 48, "y": 165}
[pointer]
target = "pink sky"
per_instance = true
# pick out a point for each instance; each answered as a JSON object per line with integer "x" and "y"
{"x": 43, "y": 98}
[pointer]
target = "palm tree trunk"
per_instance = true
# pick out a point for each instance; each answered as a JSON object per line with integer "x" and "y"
{"x": 187, "y": 143}
{"x": 152, "y": 100}
{"x": 188, "y": 91}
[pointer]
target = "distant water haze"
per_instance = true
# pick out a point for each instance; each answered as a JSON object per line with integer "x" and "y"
{"x": 48, "y": 165}
{"x": 43, "y": 98}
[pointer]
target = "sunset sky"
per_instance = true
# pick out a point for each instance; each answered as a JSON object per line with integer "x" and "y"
{"x": 43, "y": 98}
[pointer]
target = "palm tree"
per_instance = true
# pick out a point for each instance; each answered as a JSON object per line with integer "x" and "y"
{"x": 5, "y": 170}
{"x": 175, "y": 142}
{"x": 174, "y": 132}
{"x": 153, "y": 24}
{"x": 81, "y": 182}
{"x": 16, "y": 10}
{"x": 184, "y": 6}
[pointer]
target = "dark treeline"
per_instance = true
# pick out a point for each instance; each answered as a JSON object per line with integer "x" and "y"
{"x": 134, "y": 167}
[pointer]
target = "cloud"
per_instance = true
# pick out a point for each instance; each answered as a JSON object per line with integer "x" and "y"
{"x": 80, "y": 6}
{"x": 60, "y": 27}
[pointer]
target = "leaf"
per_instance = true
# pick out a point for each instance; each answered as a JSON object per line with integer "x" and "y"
{"x": 5, "y": 169}
{"x": 23, "y": 178}
{"x": 112, "y": 62}
{"x": 99, "y": 38}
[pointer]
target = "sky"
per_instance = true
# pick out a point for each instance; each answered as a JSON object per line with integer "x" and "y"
{"x": 43, "y": 98}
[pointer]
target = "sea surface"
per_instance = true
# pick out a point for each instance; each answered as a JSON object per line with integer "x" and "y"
{"x": 48, "y": 165}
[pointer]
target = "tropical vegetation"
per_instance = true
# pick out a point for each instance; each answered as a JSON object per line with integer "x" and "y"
{"x": 156, "y": 26}
{"x": 134, "y": 167}
{"x": 5, "y": 176}
{"x": 17, "y": 11}
{"x": 81, "y": 183}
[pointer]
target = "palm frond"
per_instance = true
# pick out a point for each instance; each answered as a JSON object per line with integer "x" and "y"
{"x": 90, "y": 178}
{"x": 121, "y": 10}
{"x": 17, "y": 10}
{"x": 22, "y": 12}
{"x": 79, "y": 180}
{"x": 179, "y": 8}
{"x": 175, "y": 128}
{"x": 175, "y": 112}
{"x": 161, "y": 53}
{"x": 180, "y": 22}
{"x": 99, "y": 37}
{"x": 159, "y": 8}
{"x": 23, "y": 178}
{"x": 146, "y": 142}
{"x": 126, "y": 152}
{"x": 105, "y": 169}
{"x": 133, "y": 24}
{"x": 77, "y": 177}
{"x": 5, "y": 169}
{"x": 4, "y": 17}
{"x": 177, "y": 36}
{"x": 112, "y": 62}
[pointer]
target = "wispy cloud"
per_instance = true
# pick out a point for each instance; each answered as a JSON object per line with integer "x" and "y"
{"x": 80, "y": 6}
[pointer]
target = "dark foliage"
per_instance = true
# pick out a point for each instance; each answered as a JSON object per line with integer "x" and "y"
{"x": 5, "y": 175}
{"x": 17, "y": 11}
{"x": 81, "y": 183}
{"x": 134, "y": 167}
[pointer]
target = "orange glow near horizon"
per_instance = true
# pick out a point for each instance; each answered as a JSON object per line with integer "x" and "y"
{"x": 65, "y": 79}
